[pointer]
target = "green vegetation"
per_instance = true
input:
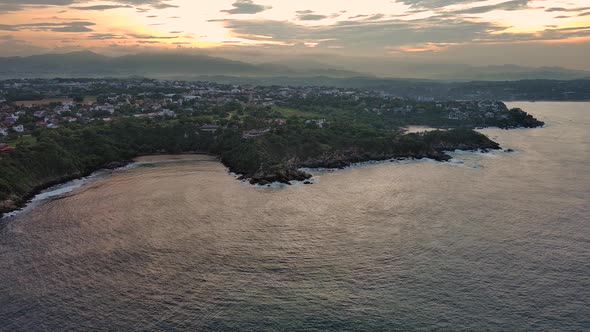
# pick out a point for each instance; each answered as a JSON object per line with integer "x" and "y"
{"x": 277, "y": 155}
{"x": 293, "y": 112}
{"x": 53, "y": 156}
{"x": 22, "y": 140}
{"x": 389, "y": 114}
{"x": 67, "y": 153}
{"x": 264, "y": 144}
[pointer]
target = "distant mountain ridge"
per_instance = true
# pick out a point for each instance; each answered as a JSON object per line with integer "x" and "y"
{"x": 186, "y": 66}
{"x": 515, "y": 72}
{"x": 156, "y": 65}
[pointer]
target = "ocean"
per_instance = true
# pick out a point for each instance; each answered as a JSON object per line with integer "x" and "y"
{"x": 488, "y": 241}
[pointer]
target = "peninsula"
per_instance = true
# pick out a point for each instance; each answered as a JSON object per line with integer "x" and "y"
{"x": 71, "y": 128}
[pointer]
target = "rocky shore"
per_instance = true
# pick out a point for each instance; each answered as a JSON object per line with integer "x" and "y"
{"x": 435, "y": 150}
{"x": 416, "y": 146}
{"x": 285, "y": 175}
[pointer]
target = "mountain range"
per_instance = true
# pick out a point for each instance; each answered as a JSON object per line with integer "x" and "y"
{"x": 155, "y": 65}
{"x": 187, "y": 66}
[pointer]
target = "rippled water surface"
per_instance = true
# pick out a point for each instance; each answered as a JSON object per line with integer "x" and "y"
{"x": 488, "y": 242}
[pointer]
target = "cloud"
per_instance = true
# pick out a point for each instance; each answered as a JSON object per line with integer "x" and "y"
{"x": 433, "y": 4}
{"x": 157, "y": 4}
{"x": 428, "y": 34}
{"x": 362, "y": 35}
{"x": 46, "y": 26}
{"x": 309, "y": 15}
{"x": 16, "y": 5}
{"x": 101, "y": 7}
{"x": 9, "y": 7}
{"x": 442, "y": 25}
{"x": 105, "y": 36}
{"x": 71, "y": 28}
{"x": 148, "y": 37}
{"x": 246, "y": 7}
{"x": 561, "y": 9}
{"x": 508, "y": 5}
{"x": 39, "y": 2}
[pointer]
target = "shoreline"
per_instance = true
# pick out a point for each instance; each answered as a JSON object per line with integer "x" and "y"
{"x": 371, "y": 162}
{"x": 164, "y": 158}
{"x": 9, "y": 208}
{"x": 296, "y": 171}
{"x": 108, "y": 169}
{"x": 291, "y": 170}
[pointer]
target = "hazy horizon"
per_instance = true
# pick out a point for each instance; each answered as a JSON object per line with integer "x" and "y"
{"x": 367, "y": 37}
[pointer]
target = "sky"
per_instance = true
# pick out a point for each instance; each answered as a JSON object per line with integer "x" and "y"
{"x": 476, "y": 32}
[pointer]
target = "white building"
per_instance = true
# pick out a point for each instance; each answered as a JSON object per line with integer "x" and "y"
{"x": 106, "y": 107}
{"x": 167, "y": 112}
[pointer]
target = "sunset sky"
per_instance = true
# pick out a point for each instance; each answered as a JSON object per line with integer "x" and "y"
{"x": 526, "y": 32}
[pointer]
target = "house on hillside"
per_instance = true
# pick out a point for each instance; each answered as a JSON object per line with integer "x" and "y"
{"x": 254, "y": 133}
{"x": 11, "y": 119}
{"x": 209, "y": 128}
{"x": 105, "y": 108}
{"x": 5, "y": 147}
{"x": 168, "y": 113}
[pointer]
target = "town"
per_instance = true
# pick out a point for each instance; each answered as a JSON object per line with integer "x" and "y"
{"x": 27, "y": 106}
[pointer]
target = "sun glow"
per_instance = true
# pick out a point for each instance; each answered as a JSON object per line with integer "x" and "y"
{"x": 384, "y": 27}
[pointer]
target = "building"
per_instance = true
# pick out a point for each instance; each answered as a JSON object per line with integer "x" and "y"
{"x": 209, "y": 128}
{"x": 254, "y": 133}
{"x": 5, "y": 147}
{"x": 168, "y": 113}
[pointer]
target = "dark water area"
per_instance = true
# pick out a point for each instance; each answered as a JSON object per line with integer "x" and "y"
{"x": 497, "y": 241}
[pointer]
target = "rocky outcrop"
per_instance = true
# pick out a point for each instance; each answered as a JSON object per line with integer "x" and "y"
{"x": 282, "y": 175}
{"x": 445, "y": 146}
{"x": 431, "y": 145}
{"x": 520, "y": 119}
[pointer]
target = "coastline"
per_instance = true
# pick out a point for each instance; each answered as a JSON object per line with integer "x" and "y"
{"x": 295, "y": 169}
{"x": 9, "y": 207}
{"x": 431, "y": 145}
{"x": 365, "y": 163}
{"x": 289, "y": 176}
{"x": 301, "y": 176}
